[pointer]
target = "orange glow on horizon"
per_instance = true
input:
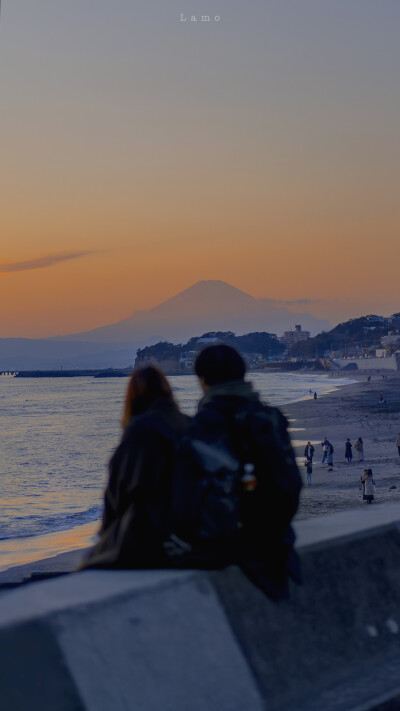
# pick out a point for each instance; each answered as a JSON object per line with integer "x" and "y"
{"x": 261, "y": 152}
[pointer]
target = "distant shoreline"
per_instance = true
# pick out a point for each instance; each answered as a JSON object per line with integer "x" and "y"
{"x": 126, "y": 372}
{"x": 94, "y": 373}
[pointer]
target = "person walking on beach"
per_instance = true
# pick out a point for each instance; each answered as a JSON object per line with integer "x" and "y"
{"x": 308, "y": 464}
{"x": 330, "y": 458}
{"x": 359, "y": 447}
{"x": 315, "y": 396}
{"x": 348, "y": 453}
{"x": 368, "y": 485}
{"x": 325, "y": 448}
{"x": 398, "y": 443}
{"x": 309, "y": 451}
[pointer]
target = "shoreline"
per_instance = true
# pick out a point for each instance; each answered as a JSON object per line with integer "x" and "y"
{"x": 353, "y": 411}
{"x": 30, "y": 555}
{"x": 348, "y": 410}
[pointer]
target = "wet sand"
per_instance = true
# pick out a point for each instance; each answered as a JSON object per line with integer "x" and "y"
{"x": 353, "y": 411}
{"x": 30, "y": 556}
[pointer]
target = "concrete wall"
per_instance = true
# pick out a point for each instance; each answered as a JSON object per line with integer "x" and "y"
{"x": 390, "y": 363}
{"x": 198, "y": 641}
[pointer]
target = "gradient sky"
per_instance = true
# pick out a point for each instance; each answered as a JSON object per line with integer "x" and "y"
{"x": 140, "y": 154}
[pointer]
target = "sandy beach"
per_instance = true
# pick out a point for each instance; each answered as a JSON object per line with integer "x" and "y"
{"x": 352, "y": 411}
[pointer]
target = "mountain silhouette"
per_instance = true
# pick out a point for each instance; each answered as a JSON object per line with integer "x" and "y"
{"x": 210, "y": 305}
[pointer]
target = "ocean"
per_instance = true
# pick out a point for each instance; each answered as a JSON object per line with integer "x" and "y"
{"x": 57, "y": 435}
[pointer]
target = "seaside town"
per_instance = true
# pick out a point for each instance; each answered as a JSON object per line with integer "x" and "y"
{"x": 366, "y": 343}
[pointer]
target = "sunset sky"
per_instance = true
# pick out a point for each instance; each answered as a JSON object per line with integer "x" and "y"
{"x": 140, "y": 154}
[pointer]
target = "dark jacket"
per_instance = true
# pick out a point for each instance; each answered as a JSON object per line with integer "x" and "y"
{"x": 309, "y": 451}
{"x": 266, "y": 552}
{"x": 348, "y": 450}
{"x": 138, "y": 493}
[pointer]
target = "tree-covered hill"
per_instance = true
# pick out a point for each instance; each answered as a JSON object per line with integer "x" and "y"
{"x": 362, "y": 332}
{"x": 262, "y": 343}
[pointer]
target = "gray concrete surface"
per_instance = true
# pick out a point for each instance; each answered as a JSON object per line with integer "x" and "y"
{"x": 199, "y": 641}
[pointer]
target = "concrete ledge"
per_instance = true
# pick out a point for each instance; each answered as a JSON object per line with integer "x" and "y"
{"x": 198, "y": 641}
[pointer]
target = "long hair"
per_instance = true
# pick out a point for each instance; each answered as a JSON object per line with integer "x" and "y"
{"x": 146, "y": 385}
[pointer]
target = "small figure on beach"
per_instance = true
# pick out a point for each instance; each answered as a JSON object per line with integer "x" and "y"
{"x": 308, "y": 465}
{"x": 368, "y": 483}
{"x": 325, "y": 448}
{"x": 369, "y": 379}
{"x": 309, "y": 451}
{"x": 348, "y": 453}
{"x": 359, "y": 447}
{"x": 315, "y": 396}
{"x": 330, "y": 457}
{"x": 398, "y": 443}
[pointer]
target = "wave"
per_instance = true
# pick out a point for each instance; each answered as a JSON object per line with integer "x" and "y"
{"x": 30, "y": 526}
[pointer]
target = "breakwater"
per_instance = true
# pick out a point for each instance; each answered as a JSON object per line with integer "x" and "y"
{"x": 209, "y": 641}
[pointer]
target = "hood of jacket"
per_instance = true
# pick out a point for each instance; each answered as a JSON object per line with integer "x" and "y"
{"x": 234, "y": 388}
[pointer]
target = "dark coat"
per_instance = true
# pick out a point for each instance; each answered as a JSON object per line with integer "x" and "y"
{"x": 266, "y": 552}
{"x": 348, "y": 450}
{"x": 309, "y": 451}
{"x": 138, "y": 493}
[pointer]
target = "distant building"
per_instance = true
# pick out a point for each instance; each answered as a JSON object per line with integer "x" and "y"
{"x": 208, "y": 339}
{"x": 390, "y": 339}
{"x": 289, "y": 338}
{"x": 376, "y": 319}
{"x": 187, "y": 360}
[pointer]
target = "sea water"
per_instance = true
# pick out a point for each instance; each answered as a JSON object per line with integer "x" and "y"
{"x": 56, "y": 437}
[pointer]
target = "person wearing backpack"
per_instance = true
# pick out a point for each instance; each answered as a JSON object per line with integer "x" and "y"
{"x": 138, "y": 493}
{"x": 240, "y": 488}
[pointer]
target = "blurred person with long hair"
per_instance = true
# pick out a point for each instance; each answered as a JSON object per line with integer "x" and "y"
{"x": 138, "y": 493}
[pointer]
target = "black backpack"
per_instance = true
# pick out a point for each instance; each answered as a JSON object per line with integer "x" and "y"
{"x": 234, "y": 492}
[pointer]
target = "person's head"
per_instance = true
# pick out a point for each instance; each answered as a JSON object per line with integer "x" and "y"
{"x": 308, "y": 444}
{"x": 219, "y": 364}
{"x": 146, "y": 385}
{"x": 325, "y": 439}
